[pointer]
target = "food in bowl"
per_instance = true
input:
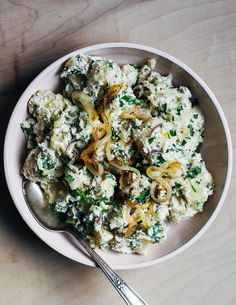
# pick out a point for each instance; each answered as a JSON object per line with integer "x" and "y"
{"x": 117, "y": 154}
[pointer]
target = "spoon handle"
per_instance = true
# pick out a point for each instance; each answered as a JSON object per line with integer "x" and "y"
{"x": 127, "y": 293}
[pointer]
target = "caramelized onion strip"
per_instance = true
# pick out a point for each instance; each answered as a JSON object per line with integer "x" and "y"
{"x": 135, "y": 113}
{"x": 85, "y": 102}
{"x": 155, "y": 188}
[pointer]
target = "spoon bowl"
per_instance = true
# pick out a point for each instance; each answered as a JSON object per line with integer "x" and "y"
{"x": 41, "y": 211}
{"x": 40, "y": 208}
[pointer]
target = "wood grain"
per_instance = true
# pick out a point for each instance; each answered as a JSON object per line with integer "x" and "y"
{"x": 202, "y": 33}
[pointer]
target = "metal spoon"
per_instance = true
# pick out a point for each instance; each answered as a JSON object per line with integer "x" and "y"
{"x": 46, "y": 218}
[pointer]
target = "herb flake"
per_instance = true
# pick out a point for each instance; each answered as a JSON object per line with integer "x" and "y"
{"x": 192, "y": 173}
{"x": 143, "y": 195}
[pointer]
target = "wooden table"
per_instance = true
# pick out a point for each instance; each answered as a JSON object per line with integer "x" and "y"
{"x": 35, "y": 33}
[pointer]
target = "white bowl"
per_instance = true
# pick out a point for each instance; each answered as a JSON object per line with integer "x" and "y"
{"x": 217, "y": 151}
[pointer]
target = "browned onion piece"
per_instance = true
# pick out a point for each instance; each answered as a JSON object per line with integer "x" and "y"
{"x": 160, "y": 182}
{"x": 85, "y": 102}
{"x": 168, "y": 168}
{"x": 155, "y": 173}
{"x": 99, "y": 132}
{"x": 94, "y": 166}
{"x": 135, "y": 113}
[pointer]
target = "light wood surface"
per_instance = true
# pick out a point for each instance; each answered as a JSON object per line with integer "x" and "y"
{"x": 35, "y": 33}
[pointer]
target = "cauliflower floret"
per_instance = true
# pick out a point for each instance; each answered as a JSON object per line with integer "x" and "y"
{"x": 141, "y": 190}
{"x": 29, "y": 169}
{"x": 75, "y": 70}
{"x": 42, "y": 163}
{"x": 103, "y": 186}
{"x": 102, "y": 236}
{"x": 192, "y": 192}
{"x": 71, "y": 132}
{"x": 46, "y": 106}
{"x": 78, "y": 177}
{"x": 129, "y": 74}
{"x": 104, "y": 72}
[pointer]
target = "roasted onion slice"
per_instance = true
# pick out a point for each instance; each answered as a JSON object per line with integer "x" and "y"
{"x": 85, "y": 102}
{"x": 170, "y": 169}
{"x": 158, "y": 185}
{"x": 94, "y": 166}
{"x": 135, "y": 113}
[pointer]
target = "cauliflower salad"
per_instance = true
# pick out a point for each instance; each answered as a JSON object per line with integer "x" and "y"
{"x": 117, "y": 153}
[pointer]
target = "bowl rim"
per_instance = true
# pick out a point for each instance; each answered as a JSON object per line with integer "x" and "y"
{"x": 204, "y": 86}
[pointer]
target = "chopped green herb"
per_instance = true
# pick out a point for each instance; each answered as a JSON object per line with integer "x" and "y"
{"x": 46, "y": 163}
{"x": 155, "y": 233}
{"x": 132, "y": 150}
{"x": 183, "y": 142}
{"x": 164, "y": 108}
{"x": 104, "y": 90}
{"x": 199, "y": 147}
{"x": 151, "y": 140}
{"x": 115, "y": 203}
{"x": 179, "y": 109}
{"x": 178, "y": 186}
{"x": 160, "y": 160}
{"x": 135, "y": 66}
{"x": 43, "y": 159}
{"x": 75, "y": 71}
{"x": 195, "y": 115}
{"x": 74, "y": 193}
{"x": 88, "y": 227}
{"x": 191, "y": 129}
{"x": 173, "y": 132}
{"x": 133, "y": 124}
{"x": 192, "y": 173}
{"x": 143, "y": 195}
{"x": 113, "y": 134}
{"x": 124, "y": 161}
{"x": 130, "y": 100}
{"x": 69, "y": 178}
{"x": 121, "y": 103}
{"x": 193, "y": 188}
{"x": 132, "y": 197}
{"x": 39, "y": 172}
{"x": 51, "y": 164}
{"x": 110, "y": 64}
{"x": 83, "y": 196}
